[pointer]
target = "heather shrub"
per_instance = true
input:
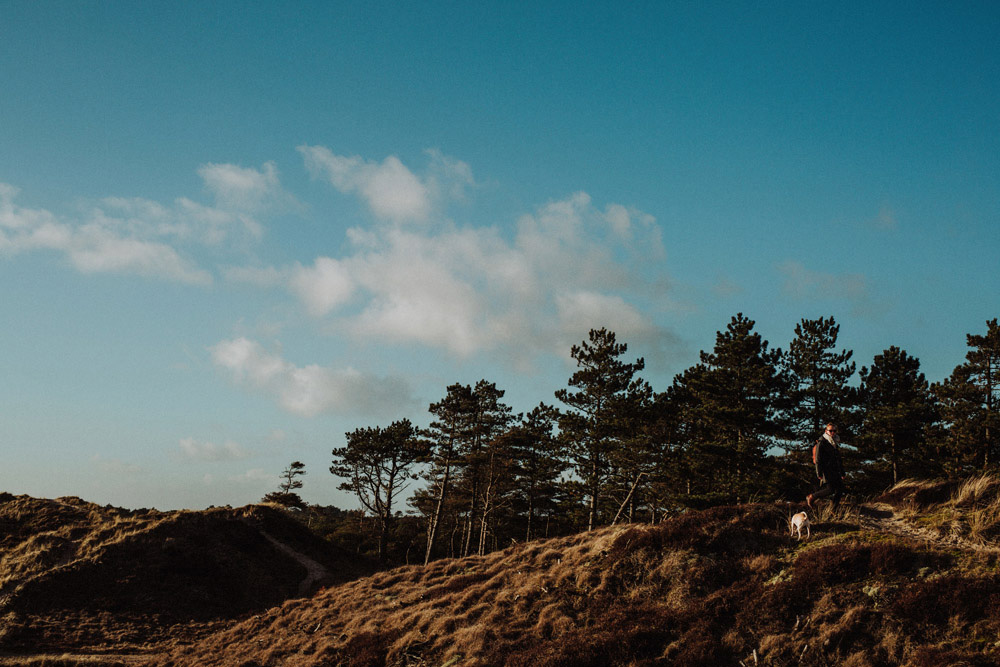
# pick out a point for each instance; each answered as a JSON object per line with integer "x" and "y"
{"x": 728, "y": 530}
{"x": 850, "y": 630}
{"x": 832, "y": 564}
{"x": 369, "y": 649}
{"x": 622, "y": 634}
{"x": 891, "y": 558}
{"x": 774, "y": 605}
{"x": 938, "y": 657}
{"x": 925, "y": 608}
{"x": 700, "y": 647}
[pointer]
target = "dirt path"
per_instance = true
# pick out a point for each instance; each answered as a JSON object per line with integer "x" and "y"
{"x": 880, "y": 517}
{"x": 315, "y": 571}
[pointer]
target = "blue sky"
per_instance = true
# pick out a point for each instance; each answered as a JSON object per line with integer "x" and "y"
{"x": 229, "y": 233}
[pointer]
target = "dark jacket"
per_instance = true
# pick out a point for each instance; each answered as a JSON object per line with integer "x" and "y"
{"x": 828, "y": 464}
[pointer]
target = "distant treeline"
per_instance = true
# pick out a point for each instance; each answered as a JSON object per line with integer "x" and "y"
{"x": 735, "y": 427}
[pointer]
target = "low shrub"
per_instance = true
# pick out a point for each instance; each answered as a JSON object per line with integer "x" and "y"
{"x": 731, "y": 530}
{"x": 926, "y": 608}
{"x": 937, "y": 657}
{"x": 632, "y": 634}
{"x": 832, "y": 564}
{"x": 369, "y": 649}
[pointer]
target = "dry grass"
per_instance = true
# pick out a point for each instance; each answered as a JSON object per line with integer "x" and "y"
{"x": 968, "y": 510}
{"x": 971, "y": 491}
{"x": 719, "y": 586}
{"x": 79, "y": 577}
{"x": 711, "y": 587}
{"x": 847, "y": 514}
{"x": 917, "y": 494}
{"x": 71, "y": 660}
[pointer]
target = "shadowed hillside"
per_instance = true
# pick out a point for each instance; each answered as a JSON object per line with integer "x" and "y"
{"x": 911, "y": 578}
{"x": 78, "y": 577}
{"x": 723, "y": 586}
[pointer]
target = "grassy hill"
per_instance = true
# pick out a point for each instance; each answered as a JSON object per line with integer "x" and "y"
{"x": 911, "y": 578}
{"x": 898, "y": 582}
{"x": 77, "y": 577}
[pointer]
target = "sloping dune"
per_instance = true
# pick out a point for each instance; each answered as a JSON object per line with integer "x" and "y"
{"x": 75, "y": 576}
{"x": 722, "y": 586}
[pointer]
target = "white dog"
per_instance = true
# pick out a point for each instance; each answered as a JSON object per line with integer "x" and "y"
{"x": 797, "y": 523}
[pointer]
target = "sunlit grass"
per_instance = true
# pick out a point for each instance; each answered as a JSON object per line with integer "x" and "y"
{"x": 971, "y": 511}
{"x": 975, "y": 489}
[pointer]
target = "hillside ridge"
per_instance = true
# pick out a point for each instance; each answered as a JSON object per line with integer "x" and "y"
{"x": 77, "y": 577}
{"x": 909, "y": 578}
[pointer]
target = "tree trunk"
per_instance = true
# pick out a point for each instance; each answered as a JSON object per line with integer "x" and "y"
{"x": 436, "y": 519}
{"x": 892, "y": 454}
{"x": 383, "y": 538}
{"x": 989, "y": 415}
{"x": 531, "y": 512}
{"x": 471, "y": 519}
{"x": 592, "y": 519}
{"x": 628, "y": 499}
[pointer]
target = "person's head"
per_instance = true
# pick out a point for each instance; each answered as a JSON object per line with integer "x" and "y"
{"x": 831, "y": 428}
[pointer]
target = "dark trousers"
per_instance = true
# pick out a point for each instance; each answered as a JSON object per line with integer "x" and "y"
{"x": 834, "y": 489}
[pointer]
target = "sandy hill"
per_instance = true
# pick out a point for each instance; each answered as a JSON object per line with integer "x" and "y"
{"x": 909, "y": 580}
{"x": 79, "y": 578}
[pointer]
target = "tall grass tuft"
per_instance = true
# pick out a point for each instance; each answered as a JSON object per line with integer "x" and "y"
{"x": 974, "y": 489}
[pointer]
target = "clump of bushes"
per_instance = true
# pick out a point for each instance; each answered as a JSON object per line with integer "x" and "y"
{"x": 733, "y": 530}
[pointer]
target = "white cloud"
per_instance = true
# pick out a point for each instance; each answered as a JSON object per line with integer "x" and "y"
{"x": 390, "y": 189}
{"x": 627, "y": 222}
{"x": 584, "y": 310}
{"x": 92, "y": 247}
{"x": 94, "y": 250}
{"x": 308, "y": 390}
{"x": 448, "y": 178}
{"x": 468, "y": 290}
{"x": 323, "y": 286}
{"x": 138, "y": 236}
{"x": 193, "y": 450}
{"x": 619, "y": 219}
{"x": 241, "y": 189}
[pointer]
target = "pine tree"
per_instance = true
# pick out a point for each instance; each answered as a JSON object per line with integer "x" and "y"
{"x": 730, "y": 403}
{"x": 970, "y": 400}
{"x": 482, "y": 469}
{"x": 540, "y": 461}
{"x": 634, "y": 460}
{"x": 448, "y": 435}
{"x": 285, "y": 495}
{"x": 818, "y": 374}
{"x": 685, "y": 432}
{"x": 594, "y": 425}
{"x": 377, "y": 464}
{"x": 898, "y": 410}
{"x": 673, "y": 475}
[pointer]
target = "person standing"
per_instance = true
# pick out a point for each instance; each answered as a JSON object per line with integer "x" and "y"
{"x": 829, "y": 468}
